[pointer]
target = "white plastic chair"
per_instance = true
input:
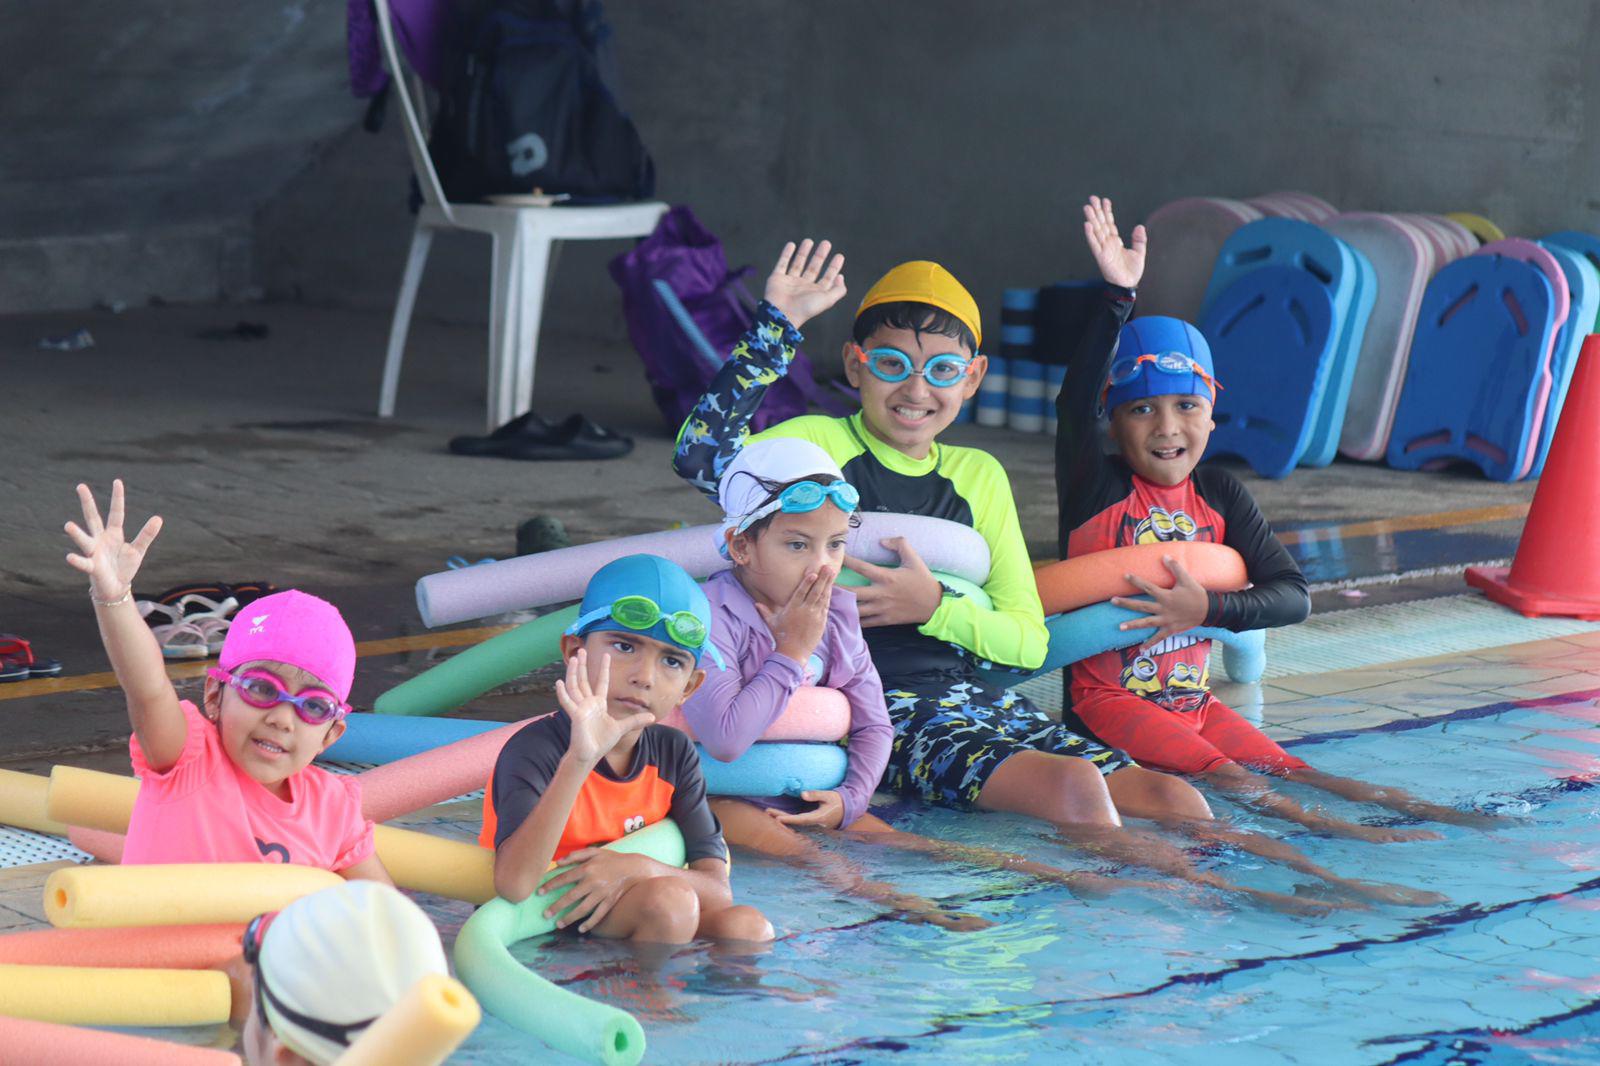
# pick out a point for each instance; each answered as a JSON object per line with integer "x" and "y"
{"x": 523, "y": 239}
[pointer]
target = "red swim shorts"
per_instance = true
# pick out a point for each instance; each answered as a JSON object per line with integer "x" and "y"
{"x": 1181, "y": 742}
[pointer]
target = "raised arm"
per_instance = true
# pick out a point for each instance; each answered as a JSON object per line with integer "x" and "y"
{"x": 1080, "y": 465}
{"x": 522, "y": 858}
{"x": 803, "y": 283}
{"x": 111, "y": 561}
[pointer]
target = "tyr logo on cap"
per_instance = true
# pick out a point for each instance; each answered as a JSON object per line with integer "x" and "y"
{"x": 256, "y": 622}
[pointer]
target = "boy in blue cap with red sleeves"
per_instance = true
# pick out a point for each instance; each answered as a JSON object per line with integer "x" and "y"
{"x": 569, "y": 783}
{"x": 1153, "y": 378}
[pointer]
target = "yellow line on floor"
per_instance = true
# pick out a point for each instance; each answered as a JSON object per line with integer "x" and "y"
{"x": 452, "y": 638}
{"x": 1404, "y": 523}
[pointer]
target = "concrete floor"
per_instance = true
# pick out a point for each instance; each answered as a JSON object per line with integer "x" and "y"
{"x": 267, "y": 461}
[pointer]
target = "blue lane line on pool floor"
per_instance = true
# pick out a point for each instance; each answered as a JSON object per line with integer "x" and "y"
{"x": 1449, "y": 1045}
{"x": 1466, "y": 714}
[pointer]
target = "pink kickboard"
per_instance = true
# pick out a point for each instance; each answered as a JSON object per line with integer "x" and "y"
{"x": 1300, "y": 205}
{"x": 1186, "y": 236}
{"x": 1530, "y": 252}
{"x": 1445, "y": 248}
{"x": 1466, "y": 243}
{"x": 1277, "y": 205}
{"x": 1401, "y": 261}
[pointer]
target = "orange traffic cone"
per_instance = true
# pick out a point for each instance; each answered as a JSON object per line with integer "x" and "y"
{"x": 1557, "y": 565}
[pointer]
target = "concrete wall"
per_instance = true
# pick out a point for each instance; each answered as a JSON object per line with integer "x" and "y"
{"x": 137, "y": 141}
{"x": 970, "y": 133}
{"x": 954, "y": 130}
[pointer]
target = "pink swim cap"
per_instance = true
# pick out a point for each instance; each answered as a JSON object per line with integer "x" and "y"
{"x": 296, "y": 629}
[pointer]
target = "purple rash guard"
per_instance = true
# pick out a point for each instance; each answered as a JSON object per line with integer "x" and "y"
{"x": 736, "y": 706}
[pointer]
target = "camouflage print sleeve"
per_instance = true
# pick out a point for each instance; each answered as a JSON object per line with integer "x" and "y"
{"x": 719, "y": 425}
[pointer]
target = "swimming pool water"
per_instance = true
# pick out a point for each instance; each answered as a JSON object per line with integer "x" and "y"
{"x": 1508, "y": 971}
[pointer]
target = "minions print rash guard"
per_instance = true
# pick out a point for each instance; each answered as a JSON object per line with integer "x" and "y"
{"x": 1104, "y": 504}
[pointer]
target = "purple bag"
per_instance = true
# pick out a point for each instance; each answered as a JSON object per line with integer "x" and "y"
{"x": 686, "y": 310}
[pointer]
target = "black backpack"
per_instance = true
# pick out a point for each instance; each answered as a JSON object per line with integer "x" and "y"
{"x": 529, "y": 102}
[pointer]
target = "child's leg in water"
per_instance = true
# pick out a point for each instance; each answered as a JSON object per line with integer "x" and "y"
{"x": 1206, "y": 743}
{"x": 748, "y": 826}
{"x": 968, "y": 746}
{"x": 1053, "y": 787}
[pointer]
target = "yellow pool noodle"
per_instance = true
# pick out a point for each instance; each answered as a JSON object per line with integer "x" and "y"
{"x": 97, "y": 897}
{"x": 24, "y": 800}
{"x": 80, "y": 995}
{"x": 426, "y": 863}
{"x": 90, "y": 798}
{"x": 421, "y": 1030}
{"x": 420, "y": 861}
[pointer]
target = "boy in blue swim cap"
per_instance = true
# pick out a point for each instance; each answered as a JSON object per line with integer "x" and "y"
{"x": 571, "y": 782}
{"x": 1154, "y": 380}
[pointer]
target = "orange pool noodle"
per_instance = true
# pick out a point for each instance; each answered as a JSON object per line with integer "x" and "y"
{"x": 49, "y": 1044}
{"x": 1098, "y": 576}
{"x": 160, "y": 947}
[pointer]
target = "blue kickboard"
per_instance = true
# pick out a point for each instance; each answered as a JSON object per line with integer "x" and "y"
{"x": 1272, "y": 336}
{"x": 1328, "y": 429}
{"x": 1287, "y": 242}
{"x": 1470, "y": 393}
{"x": 1583, "y": 285}
{"x": 1586, "y": 245}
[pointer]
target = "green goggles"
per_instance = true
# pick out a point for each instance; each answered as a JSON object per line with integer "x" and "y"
{"x": 641, "y": 613}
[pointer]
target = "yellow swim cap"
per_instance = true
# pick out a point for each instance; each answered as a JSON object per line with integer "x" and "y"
{"x": 920, "y": 281}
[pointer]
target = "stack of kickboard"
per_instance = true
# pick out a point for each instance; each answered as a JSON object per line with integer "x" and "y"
{"x": 1395, "y": 357}
{"x": 1039, "y": 332}
{"x": 1285, "y": 312}
{"x": 1497, "y": 337}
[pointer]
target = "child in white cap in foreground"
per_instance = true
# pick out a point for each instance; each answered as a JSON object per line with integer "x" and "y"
{"x": 329, "y": 965}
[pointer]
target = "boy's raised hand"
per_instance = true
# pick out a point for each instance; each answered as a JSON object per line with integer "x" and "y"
{"x": 907, "y": 594}
{"x": 798, "y": 625}
{"x": 1119, "y": 264}
{"x": 805, "y": 282}
{"x": 104, "y": 553}
{"x": 594, "y": 731}
{"x": 1175, "y": 610}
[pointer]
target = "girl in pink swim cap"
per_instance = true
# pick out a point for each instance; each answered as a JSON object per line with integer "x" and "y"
{"x": 230, "y": 781}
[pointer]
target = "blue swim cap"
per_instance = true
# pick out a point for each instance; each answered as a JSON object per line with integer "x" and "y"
{"x": 1158, "y": 335}
{"x": 660, "y": 580}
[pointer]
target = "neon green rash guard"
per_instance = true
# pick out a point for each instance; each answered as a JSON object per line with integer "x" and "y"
{"x": 962, "y": 485}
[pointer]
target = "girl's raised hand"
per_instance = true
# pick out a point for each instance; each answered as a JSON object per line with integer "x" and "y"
{"x": 110, "y": 560}
{"x": 805, "y": 282}
{"x": 1118, "y": 264}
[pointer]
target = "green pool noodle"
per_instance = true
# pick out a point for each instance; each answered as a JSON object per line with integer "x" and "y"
{"x": 569, "y": 1023}
{"x": 475, "y": 671}
{"x": 850, "y": 579}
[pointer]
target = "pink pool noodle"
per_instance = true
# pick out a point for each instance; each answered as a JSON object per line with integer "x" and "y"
{"x": 107, "y": 847}
{"x": 159, "y": 947}
{"x": 433, "y": 776}
{"x": 49, "y": 1044}
{"x": 821, "y": 714}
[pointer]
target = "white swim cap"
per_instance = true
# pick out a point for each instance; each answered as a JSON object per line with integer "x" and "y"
{"x": 776, "y": 461}
{"x": 341, "y": 957}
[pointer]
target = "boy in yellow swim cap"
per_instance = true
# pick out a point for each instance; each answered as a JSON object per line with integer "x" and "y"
{"x": 914, "y": 356}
